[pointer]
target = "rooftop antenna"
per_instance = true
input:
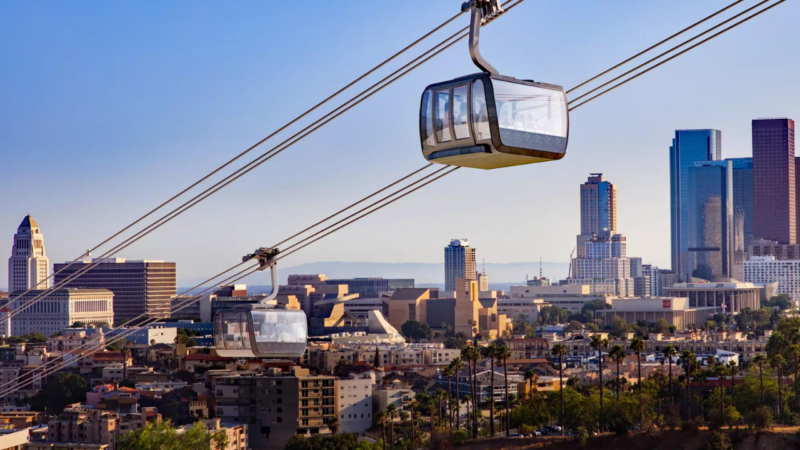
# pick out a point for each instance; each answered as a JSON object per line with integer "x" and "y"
{"x": 540, "y": 267}
{"x": 484, "y": 266}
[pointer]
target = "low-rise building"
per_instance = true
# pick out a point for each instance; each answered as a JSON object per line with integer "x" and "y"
{"x": 80, "y": 429}
{"x": 731, "y": 297}
{"x": 60, "y": 309}
{"x": 675, "y": 310}
{"x": 354, "y": 403}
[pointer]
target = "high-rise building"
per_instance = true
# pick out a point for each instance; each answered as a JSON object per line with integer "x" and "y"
{"x": 743, "y": 194}
{"x": 28, "y": 265}
{"x": 139, "y": 287}
{"x": 459, "y": 262}
{"x": 709, "y": 213}
{"x": 483, "y": 281}
{"x": 767, "y": 269}
{"x": 598, "y": 209}
{"x": 774, "y": 199}
{"x": 605, "y": 266}
{"x": 688, "y": 147}
{"x": 60, "y": 309}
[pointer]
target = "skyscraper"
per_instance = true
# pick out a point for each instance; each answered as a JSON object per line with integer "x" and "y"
{"x": 688, "y": 147}
{"x": 139, "y": 287}
{"x": 710, "y": 224}
{"x": 598, "y": 210}
{"x": 459, "y": 262}
{"x": 774, "y": 199}
{"x": 28, "y": 265}
{"x": 743, "y": 195}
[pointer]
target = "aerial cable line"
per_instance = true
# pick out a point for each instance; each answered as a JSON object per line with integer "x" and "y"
{"x": 241, "y": 275}
{"x": 447, "y": 173}
{"x": 240, "y": 155}
{"x": 194, "y": 297}
{"x": 676, "y": 55}
{"x": 255, "y": 163}
{"x": 597, "y": 88}
{"x": 656, "y": 45}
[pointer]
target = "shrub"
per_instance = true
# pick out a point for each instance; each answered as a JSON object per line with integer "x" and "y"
{"x": 761, "y": 418}
{"x": 692, "y": 425}
{"x": 719, "y": 441}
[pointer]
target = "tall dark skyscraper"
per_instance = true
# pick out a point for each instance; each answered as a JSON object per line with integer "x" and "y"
{"x": 598, "y": 210}
{"x": 710, "y": 231}
{"x": 774, "y": 183}
{"x": 688, "y": 147}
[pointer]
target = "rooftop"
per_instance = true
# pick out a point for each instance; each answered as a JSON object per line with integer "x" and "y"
{"x": 28, "y": 222}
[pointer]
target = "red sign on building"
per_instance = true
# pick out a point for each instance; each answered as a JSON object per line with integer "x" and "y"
{"x": 667, "y": 303}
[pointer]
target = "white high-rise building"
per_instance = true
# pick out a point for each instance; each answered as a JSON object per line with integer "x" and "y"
{"x": 459, "y": 262}
{"x": 766, "y": 269}
{"x": 28, "y": 266}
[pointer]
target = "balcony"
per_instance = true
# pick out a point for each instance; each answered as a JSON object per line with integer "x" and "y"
{"x": 311, "y": 414}
{"x": 312, "y": 394}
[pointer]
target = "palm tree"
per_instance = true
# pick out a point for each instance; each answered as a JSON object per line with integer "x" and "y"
{"x": 432, "y": 411}
{"x": 721, "y": 370}
{"x": 638, "y": 346}
{"x": 448, "y": 372}
{"x": 689, "y": 360}
{"x": 599, "y": 343}
{"x": 458, "y": 366}
{"x": 560, "y": 351}
{"x": 532, "y": 378}
{"x": 392, "y": 411}
{"x": 778, "y": 362}
{"x": 733, "y": 368}
{"x": 490, "y": 352}
{"x": 381, "y": 418}
{"x": 413, "y": 408}
{"x": 669, "y": 352}
{"x": 795, "y": 350}
{"x": 759, "y": 361}
{"x": 617, "y": 354}
{"x": 503, "y": 353}
{"x": 474, "y": 356}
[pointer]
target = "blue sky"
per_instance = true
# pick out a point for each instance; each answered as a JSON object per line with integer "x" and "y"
{"x": 108, "y": 108}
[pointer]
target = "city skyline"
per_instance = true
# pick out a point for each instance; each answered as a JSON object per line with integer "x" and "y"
{"x": 125, "y": 169}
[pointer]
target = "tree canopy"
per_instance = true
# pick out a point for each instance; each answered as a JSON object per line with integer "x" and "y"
{"x": 163, "y": 436}
{"x": 416, "y": 330}
{"x": 60, "y": 391}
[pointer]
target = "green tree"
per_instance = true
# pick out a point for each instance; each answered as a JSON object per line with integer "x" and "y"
{"x": 416, "y": 330}
{"x": 689, "y": 360}
{"x": 391, "y": 411}
{"x": 573, "y": 325}
{"x": 661, "y": 326}
{"x": 759, "y": 362}
{"x": 669, "y": 353}
{"x": 78, "y": 324}
{"x": 590, "y": 307}
{"x": 380, "y": 417}
{"x": 559, "y": 351}
{"x": 60, "y": 391}
{"x": 780, "y": 301}
{"x": 503, "y": 353}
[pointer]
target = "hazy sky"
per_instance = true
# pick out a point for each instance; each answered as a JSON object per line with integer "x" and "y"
{"x": 108, "y": 108}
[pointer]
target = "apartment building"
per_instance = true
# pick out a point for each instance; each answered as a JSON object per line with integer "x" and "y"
{"x": 354, "y": 403}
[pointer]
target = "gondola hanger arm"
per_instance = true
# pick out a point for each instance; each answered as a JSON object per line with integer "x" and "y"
{"x": 483, "y": 11}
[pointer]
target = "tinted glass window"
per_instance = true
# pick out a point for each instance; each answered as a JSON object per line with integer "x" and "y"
{"x": 461, "y": 112}
{"x": 442, "y": 122}
{"x": 280, "y": 331}
{"x": 426, "y": 121}
{"x": 531, "y": 117}
{"x": 480, "y": 115}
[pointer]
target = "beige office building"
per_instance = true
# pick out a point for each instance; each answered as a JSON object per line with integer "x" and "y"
{"x": 733, "y": 296}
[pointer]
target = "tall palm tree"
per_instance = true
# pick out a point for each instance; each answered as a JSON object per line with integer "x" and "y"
{"x": 532, "y": 378}
{"x": 458, "y": 366}
{"x": 598, "y": 343}
{"x": 381, "y": 418}
{"x": 490, "y": 352}
{"x": 759, "y": 361}
{"x": 721, "y": 370}
{"x": 414, "y": 416}
{"x": 560, "y": 351}
{"x": 669, "y": 353}
{"x": 475, "y": 356}
{"x": 689, "y": 360}
{"x": 778, "y": 362}
{"x": 503, "y": 353}
{"x": 617, "y": 354}
{"x": 333, "y": 425}
{"x": 448, "y": 372}
{"x": 392, "y": 411}
{"x": 795, "y": 352}
{"x": 733, "y": 368}
{"x": 638, "y": 346}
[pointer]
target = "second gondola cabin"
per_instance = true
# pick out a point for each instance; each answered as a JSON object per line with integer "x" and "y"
{"x": 488, "y": 121}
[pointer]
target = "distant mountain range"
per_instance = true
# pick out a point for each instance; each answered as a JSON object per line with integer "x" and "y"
{"x": 501, "y": 275}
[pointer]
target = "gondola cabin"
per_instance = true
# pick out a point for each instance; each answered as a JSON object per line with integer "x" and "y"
{"x": 488, "y": 121}
{"x": 252, "y": 332}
